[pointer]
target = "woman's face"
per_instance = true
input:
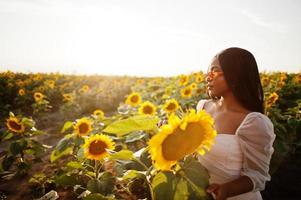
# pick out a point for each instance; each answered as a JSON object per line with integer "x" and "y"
{"x": 216, "y": 83}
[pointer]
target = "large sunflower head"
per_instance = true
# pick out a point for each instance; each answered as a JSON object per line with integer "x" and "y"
{"x": 181, "y": 137}
{"x": 38, "y": 96}
{"x": 96, "y": 146}
{"x": 147, "y": 108}
{"x": 15, "y": 125}
{"x": 99, "y": 113}
{"x": 133, "y": 99}
{"x": 83, "y": 126}
{"x": 171, "y": 106}
{"x": 186, "y": 92}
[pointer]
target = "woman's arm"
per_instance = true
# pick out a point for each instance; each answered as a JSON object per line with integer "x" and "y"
{"x": 236, "y": 187}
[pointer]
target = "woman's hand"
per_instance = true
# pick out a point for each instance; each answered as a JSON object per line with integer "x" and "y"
{"x": 219, "y": 191}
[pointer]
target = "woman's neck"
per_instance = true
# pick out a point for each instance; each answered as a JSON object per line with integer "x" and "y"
{"x": 229, "y": 103}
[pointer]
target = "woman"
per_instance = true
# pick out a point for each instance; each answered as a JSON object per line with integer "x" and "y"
{"x": 238, "y": 163}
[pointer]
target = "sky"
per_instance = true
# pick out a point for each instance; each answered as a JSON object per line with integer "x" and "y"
{"x": 145, "y": 37}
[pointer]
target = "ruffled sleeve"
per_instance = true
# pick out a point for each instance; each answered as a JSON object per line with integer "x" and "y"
{"x": 201, "y": 104}
{"x": 256, "y": 136}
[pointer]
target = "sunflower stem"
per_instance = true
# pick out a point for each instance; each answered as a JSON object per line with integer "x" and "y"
{"x": 96, "y": 168}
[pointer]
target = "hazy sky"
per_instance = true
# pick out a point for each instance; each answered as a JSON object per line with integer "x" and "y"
{"x": 149, "y": 38}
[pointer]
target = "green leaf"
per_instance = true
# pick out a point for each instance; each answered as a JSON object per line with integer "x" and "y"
{"x": 56, "y": 154}
{"x": 105, "y": 185}
{"x": 66, "y": 180}
{"x": 67, "y": 126}
{"x": 137, "y": 135}
{"x": 18, "y": 146}
{"x": 75, "y": 165}
{"x": 28, "y": 122}
{"x": 162, "y": 185}
{"x": 196, "y": 175}
{"x": 8, "y": 135}
{"x": 181, "y": 190}
{"x": 129, "y": 174}
{"x": 63, "y": 144}
{"x": 135, "y": 123}
{"x": 97, "y": 196}
{"x": 123, "y": 155}
{"x": 94, "y": 186}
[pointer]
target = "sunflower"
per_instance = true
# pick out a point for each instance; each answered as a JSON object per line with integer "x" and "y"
{"x": 193, "y": 85}
{"x": 183, "y": 80}
{"x": 68, "y": 97}
{"x": 199, "y": 78}
{"x": 271, "y": 99}
{"x": 50, "y": 83}
{"x": 133, "y": 99}
{"x": 297, "y": 79}
{"x": 283, "y": 76}
{"x": 265, "y": 81}
{"x": 21, "y": 92}
{"x": 86, "y": 88}
{"x": 186, "y": 92}
{"x": 147, "y": 108}
{"x": 38, "y": 96}
{"x": 99, "y": 113}
{"x": 96, "y": 146}
{"x": 83, "y": 126}
{"x": 181, "y": 137}
{"x": 171, "y": 106}
{"x": 15, "y": 125}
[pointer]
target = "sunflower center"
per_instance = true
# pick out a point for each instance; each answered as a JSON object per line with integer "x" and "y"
{"x": 83, "y": 128}
{"x": 147, "y": 109}
{"x": 134, "y": 99}
{"x": 171, "y": 106}
{"x": 187, "y": 92}
{"x": 181, "y": 143}
{"x": 97, "y": 147}
{"x": 15, "y": 125}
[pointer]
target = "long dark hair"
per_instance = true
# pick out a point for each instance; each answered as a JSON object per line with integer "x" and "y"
{"x": 241, "y": 74}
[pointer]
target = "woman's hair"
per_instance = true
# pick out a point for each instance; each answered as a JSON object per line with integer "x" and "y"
{"x": 241, "y": 74}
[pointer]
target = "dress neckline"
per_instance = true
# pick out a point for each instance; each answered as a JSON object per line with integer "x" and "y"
{"x": 240, "y": 125}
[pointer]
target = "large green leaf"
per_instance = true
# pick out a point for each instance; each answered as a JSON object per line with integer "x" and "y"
{"x": 181, "y": 190}
{"x": 135, "y": 123}
{"x": 105, "y": 185}
{"x": 66, "y": 180}
{"x": 163, "y": 185}
{"x": 123, "y": 155}
{"x": 197, "y": 178}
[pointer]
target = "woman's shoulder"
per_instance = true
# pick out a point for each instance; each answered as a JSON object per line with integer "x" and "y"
{"x": 201, "y": 104}
{"x": 256, "y": 123}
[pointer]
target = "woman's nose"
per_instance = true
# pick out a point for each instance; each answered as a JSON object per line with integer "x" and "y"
{"x": 208, "y": 79}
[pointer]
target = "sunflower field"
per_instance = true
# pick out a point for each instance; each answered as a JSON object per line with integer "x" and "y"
{"x": 118, "y": 137}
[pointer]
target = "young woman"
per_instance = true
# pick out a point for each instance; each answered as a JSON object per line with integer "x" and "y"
{"x": 238, "y": 163}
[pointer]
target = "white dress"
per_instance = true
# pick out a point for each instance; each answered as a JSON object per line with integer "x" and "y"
{"x": 248, "y": 152}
